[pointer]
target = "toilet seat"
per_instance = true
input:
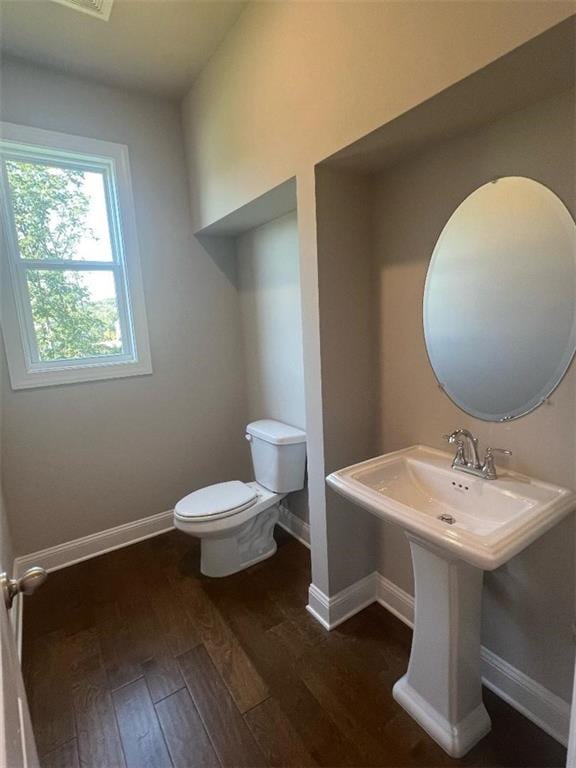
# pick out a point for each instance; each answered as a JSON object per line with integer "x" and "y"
{"x": 216, "y": 501}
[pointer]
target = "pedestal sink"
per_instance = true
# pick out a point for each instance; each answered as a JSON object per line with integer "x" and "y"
{"x": 458, "y": 526}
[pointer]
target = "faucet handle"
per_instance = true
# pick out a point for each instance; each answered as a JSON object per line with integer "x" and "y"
{"x": 489, "y": 468}
{"x": 492, "y": 451}
{"x": 459, "y": 459}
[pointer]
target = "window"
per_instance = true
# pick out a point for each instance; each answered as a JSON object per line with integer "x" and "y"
{"x": 72, "y": 299}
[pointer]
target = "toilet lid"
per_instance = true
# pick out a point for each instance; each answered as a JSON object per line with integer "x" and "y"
{"x": 219, "y": 499}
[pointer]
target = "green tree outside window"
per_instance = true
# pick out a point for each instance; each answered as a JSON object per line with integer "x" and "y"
{"x": 50, "y": 212}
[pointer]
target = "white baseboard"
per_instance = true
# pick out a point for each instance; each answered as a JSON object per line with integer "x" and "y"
{"x": 395, "y": 600}
{"x": 332, "y": 611}
{"x": 533, "y": 700}
{"x": 71, "y": 552}
{"x": 294, "y": 525}
{"x": 319, "y": 607}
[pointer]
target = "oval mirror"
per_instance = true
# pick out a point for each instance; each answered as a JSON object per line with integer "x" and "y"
{"x": 499, "y": 300}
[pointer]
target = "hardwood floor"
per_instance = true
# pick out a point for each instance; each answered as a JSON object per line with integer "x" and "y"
{"x": 135, "y": 660}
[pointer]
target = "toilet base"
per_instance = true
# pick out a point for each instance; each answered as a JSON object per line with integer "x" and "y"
{"x": 247, "y": 545}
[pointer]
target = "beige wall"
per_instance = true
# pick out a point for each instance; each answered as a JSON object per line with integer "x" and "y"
{"x": 269, "y": 289}
{"x": 294, "y": 81}
{"x": 81, "y": 458}
{"x": 529, "y": 603}
{"x": 349, "y": 386}
{"x": 6, "y": 550}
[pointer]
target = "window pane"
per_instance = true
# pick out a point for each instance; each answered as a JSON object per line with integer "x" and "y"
{"x": 75, "y": 313}
{"x": 60, "y": 213}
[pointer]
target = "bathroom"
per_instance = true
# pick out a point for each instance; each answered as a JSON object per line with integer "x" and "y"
{"x": 291, "y": 168}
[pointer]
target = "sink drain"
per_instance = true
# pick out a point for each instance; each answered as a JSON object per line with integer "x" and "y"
{"x": 447, "y": 519}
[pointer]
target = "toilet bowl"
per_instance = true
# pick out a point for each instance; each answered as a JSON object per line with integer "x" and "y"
{"x": 234, "y": 520}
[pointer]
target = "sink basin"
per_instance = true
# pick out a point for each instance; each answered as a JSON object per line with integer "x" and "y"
{"x": 485, "y": 522}
{"x": 458, "y": 526}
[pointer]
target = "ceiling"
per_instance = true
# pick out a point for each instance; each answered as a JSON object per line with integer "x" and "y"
{"x": 154, "y": 45}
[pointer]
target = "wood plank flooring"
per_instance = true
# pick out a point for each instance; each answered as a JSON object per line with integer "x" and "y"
{"x": 135, "y": 660}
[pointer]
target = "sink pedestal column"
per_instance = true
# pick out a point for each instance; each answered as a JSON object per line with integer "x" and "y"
{"x": 442, "y": 689}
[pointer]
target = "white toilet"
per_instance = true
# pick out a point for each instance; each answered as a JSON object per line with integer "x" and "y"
{"x": 235, "y": 521}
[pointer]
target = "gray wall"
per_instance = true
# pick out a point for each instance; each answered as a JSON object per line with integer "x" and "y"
{"x": 269, "y": 290}
{"x": 295, "y": 81}
{"x": 348, "y": 337}
{"x": 529, "y": 603}
{"x": 81, "y": 458}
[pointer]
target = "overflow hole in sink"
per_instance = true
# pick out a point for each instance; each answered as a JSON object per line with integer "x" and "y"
{"x": 447, "y": 519}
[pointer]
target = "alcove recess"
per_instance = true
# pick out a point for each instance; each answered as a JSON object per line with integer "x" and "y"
{"x": 219, "y": 237}
{"x": 381, "y": 203}
{"x": 256, "y": 247}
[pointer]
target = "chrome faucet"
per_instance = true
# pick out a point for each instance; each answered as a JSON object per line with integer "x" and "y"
{"x": 467, "y": 458}
{"x": 466, "y": 449}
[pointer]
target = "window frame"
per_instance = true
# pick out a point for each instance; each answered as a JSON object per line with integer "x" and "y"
{"x": 26, "y": 370}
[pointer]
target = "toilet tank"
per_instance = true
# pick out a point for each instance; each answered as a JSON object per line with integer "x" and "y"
{"x": 278, "y": 455}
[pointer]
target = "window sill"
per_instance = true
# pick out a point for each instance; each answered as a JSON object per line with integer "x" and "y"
{"x": 78, "y": 374}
